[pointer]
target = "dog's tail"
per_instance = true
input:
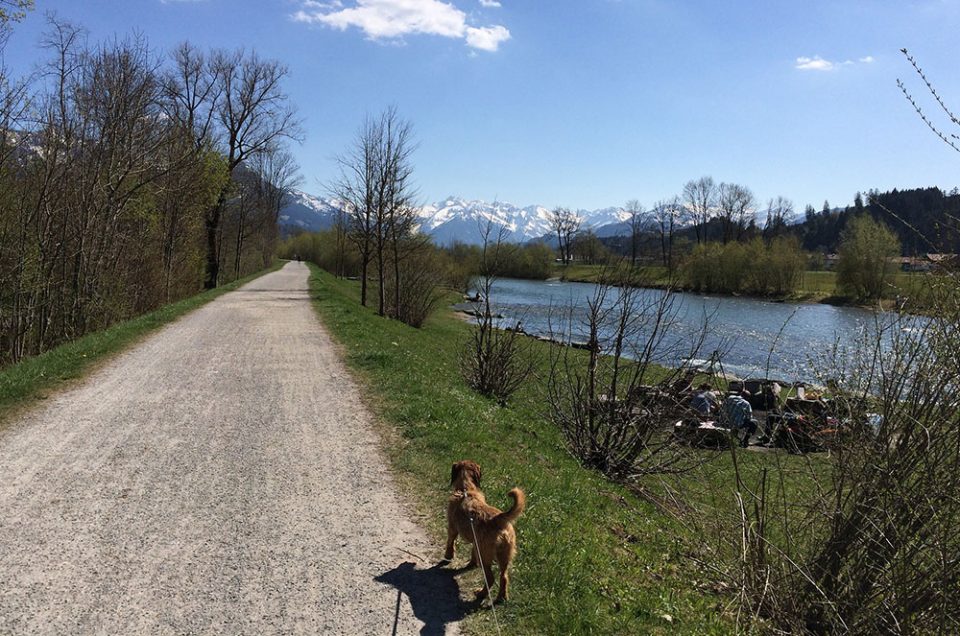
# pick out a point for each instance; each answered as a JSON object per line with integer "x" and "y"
{"x": 519, "y": 503}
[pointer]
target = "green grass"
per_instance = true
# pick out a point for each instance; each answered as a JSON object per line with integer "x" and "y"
{"x": 35, "y": 377}
{"x": 593, "y": 557}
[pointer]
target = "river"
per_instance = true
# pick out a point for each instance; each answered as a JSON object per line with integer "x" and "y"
{"x": 786, "y": 341}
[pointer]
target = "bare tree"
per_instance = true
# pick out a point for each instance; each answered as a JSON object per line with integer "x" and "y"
{"x": 356, "y": 188}
{"x": 779, "y": 213}
{"x": 736, "y": 206}
{"x": 565, "y": 223}
{"x": 615, "y": 411}
{"x": 277, "y": 175}
{"x": 192, "y": 89}
{"x": 396, "y": 210}
{"x": 638, "y": 220}
{"x": 252, "y": 114}
{"x": 666, "y": 218}
{"x": 377, "y": 191}
{"x": 700, "y": 197}
{"x": 495, "y": 362}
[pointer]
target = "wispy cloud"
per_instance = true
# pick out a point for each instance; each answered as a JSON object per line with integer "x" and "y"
{"x": 394, "y": 19}
{"x": 489, "y": 3}
{"x": 817, "y": 63}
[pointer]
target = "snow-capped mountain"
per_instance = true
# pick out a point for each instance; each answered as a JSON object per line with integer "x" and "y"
{"x": 306, "y": 212}
{"x": 454, "y": 218}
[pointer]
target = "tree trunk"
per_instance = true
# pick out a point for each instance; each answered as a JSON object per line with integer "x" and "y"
{"x": 212, "y": 227}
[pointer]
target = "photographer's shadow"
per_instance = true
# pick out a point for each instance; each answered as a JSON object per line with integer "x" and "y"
{"x": 433, "y": 594}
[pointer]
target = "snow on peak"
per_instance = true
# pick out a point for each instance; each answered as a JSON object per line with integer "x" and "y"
{"x": 454, "y": 218}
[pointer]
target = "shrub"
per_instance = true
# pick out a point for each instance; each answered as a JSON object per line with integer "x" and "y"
{"x": 866, "y": 268}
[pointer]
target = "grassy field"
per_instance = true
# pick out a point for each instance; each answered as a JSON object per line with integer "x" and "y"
{"x": 593, "y": 557}
{"x": 36, "y": 377}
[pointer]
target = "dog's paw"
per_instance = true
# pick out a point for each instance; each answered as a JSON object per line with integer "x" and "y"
{"x": 480, "y": 593}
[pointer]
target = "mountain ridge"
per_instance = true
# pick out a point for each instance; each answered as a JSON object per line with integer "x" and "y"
{"x": 454, "y": 218}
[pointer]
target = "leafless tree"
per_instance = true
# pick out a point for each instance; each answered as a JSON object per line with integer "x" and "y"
{"x": 614, "y": 408}
{"x": 356, "y": 188}
{"x": 779, "y": 213}
{"x": 665, "y": 218}
{"x": 395, "y": 204}
{"x": 192, "y": 91}
{"x": 277, "y": 174}
{"x": 700, "y": 197}
{"x": 377, "y": 191}
{"x": 495, "y": 362}
{"x": 638, "y": 221}
{"x": 565, "y": 223}
{"x": 736, "y": 207}
{"x": 252, "y": 114}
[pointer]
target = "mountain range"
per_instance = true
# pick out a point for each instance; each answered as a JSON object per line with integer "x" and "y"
{"x": 458, "y": 219}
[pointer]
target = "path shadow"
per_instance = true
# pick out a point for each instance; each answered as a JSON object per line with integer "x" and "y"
{"x": 434, "y": 596}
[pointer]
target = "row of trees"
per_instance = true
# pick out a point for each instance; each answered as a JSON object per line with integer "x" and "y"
{"x": 375, "y": 234}
{"x": 128, "y": 180}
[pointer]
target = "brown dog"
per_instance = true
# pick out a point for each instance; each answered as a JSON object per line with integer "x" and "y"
{"x": 489, "y": 529}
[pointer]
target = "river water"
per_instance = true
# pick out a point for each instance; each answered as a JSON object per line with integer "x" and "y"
{"x": 785, "y": 341}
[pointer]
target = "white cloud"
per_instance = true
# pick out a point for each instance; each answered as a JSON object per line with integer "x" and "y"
{"x": 487, "y": 38}
{"x": 817, "y": 63}
{"x": 393, "y": 19}
{"x": 489, "y": 3}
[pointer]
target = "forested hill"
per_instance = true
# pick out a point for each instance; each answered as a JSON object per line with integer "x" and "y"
{"x": 925, "y": 220}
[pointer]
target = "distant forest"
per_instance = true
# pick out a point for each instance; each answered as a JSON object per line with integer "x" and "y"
{"x": 924, "y": 219}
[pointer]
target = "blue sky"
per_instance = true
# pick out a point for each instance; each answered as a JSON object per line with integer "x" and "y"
{"x": 589, "y": 103}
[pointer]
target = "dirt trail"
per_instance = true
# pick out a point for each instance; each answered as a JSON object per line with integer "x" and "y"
{"x": 221, "y": 477}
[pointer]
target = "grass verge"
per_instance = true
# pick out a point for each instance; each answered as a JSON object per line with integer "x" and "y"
{"x": 593, "y": 557}
{"x": 36, "y": 377}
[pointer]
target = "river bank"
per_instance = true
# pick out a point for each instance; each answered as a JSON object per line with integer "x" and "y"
{"x": 815, "y": 287}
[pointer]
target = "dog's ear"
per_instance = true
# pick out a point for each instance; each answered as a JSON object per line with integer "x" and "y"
{"x": 453, "y": 472}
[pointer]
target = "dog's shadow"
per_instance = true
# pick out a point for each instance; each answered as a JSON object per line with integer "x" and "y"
{"x": 433, "y": 593}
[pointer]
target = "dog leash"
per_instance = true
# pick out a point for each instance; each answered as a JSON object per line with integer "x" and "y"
{"x": 483, "y": 570}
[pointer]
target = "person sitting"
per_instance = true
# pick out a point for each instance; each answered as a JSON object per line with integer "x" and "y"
{"x": 738, "y": 415}
{"x": 704, "y": 401}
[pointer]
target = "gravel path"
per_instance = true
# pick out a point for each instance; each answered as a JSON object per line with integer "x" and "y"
{"x": 221, "y": 477}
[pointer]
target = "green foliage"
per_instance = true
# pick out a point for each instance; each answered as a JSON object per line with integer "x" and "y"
{"x": 865, "y": 270}
{"x": 14, "y": 10}
{"x": 324, "y": 249}
{"x": 36, "y": 376}
{"x": 532, "y": 261}
{"x": 754, "y": 267}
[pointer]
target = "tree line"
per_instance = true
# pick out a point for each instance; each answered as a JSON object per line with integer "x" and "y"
{"x": 130, "y": 178}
